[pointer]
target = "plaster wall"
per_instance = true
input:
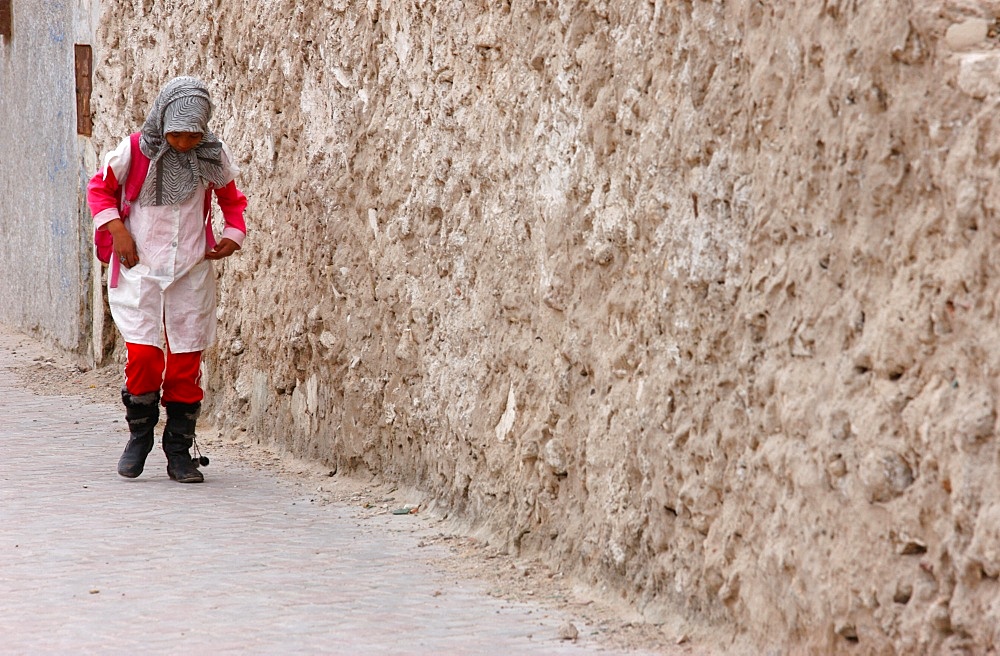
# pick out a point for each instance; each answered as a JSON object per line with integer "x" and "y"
{"x": 697, "y": 300}
{"x": 45, "y": 262}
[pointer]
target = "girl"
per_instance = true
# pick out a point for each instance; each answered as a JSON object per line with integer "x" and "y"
{"x": 163, "y": 301}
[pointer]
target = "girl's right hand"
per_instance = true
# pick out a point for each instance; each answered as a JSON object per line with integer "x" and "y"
{"x": 122, "y": 243}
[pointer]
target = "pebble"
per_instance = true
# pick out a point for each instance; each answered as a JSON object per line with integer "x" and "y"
{"x": 568, "y": 632}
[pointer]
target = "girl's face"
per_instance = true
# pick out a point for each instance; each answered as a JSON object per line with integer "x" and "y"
{"x": 184, "y": 141}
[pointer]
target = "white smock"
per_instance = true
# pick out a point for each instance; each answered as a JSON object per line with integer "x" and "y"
{"x": 172, "y": 289}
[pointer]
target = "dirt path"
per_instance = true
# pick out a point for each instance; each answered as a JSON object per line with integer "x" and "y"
{"x": 44, "y": 371}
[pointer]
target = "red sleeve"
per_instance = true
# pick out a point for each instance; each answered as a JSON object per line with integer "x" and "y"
{"x": 232, "y": 202}
{"x": 102, "y": 192}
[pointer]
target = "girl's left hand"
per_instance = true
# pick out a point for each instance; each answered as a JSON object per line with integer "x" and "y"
{"x": 224, "y": 248}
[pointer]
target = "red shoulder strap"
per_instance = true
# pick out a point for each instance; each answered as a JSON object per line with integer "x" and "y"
{"x": 137, "y": 170}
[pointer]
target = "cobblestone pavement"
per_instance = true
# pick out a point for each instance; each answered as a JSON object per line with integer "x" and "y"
{"x": 94, "y": 563}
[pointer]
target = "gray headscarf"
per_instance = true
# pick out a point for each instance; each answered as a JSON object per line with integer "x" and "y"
{"x": 183, "y": 105}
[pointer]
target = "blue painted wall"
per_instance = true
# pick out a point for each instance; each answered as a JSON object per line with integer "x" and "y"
{"x": 45, "y": 259}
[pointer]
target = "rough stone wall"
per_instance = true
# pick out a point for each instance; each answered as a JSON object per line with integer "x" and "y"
{"x": 45, "y": 237}
{"x": 694, "y": 298}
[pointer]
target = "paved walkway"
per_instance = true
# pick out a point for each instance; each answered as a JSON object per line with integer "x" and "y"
{"x": 94, "y": 563}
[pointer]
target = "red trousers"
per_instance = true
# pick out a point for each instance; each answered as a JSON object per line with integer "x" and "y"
{"x": 180, "y": 379}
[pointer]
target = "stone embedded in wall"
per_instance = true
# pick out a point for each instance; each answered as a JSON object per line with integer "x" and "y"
{"x": 885, "y": 475}
{"x": 984, "y": 550}
{"x": 968, "y": 33}
{"x": 977, "y": 74}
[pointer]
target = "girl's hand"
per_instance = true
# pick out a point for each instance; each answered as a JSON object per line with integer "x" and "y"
{"x": 224, "y": 248}
{"x": 122, "y": 244}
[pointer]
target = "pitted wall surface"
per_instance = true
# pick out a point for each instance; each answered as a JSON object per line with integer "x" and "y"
{"x": 696, "y": 299}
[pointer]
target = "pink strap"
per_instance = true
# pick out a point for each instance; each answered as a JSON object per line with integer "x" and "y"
{"x": 138, "y": 168}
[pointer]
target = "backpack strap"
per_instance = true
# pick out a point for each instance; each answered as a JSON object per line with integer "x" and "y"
{"x": 137, "y": 169}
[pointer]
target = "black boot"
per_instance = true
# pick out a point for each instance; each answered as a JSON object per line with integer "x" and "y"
{"x": 141, "y": 413}
{"x": 178, "y": 437}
